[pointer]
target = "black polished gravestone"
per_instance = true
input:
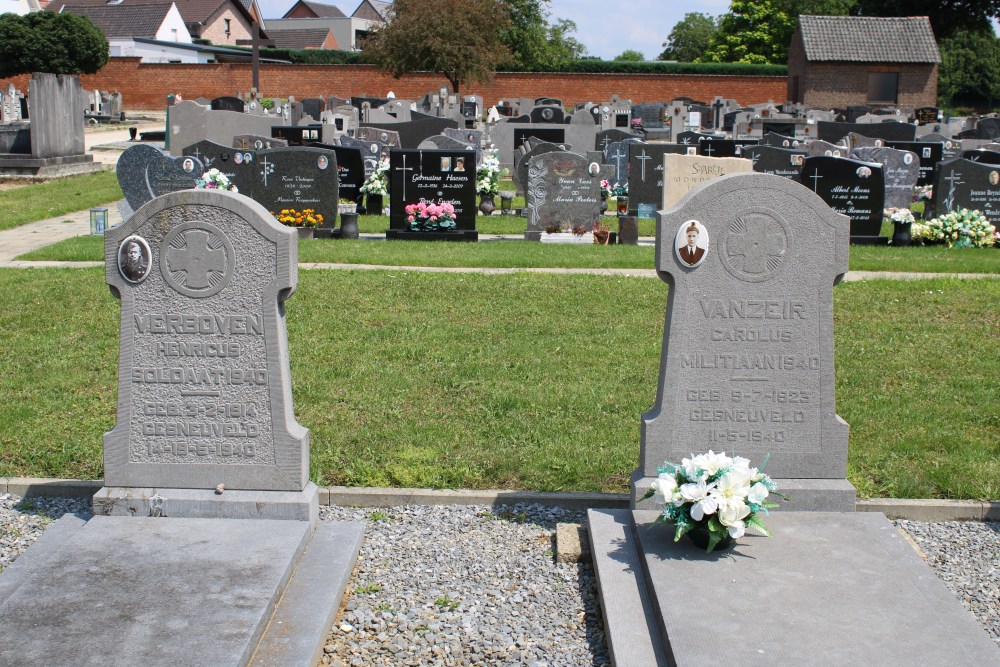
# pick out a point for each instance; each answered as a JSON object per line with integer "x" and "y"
{"x": 547, "y": 114}
{"x": 929, "y": 155}
{"x": 237, "y": 165}
{"x": 145, "y": 172}
{"x": 901, "y": 169}
{"x": 780, "y": 140}
{"x": 297, "y": 178}
{"x": 961, "y": 183}
{"x": 716, "y": 147}
{"x": 411, "y": 133}
{"x": 691, "y": 138}
{"x": 925, "y": 115}
{"x": 645, "y": 172}
{"x": 298, "y": 135}
{"x": 432, "y": 177}
{"x": 777, "y": 161}
{"x": 617, "y": 157}
{"x": 851, "y": 187}
{"x": 553, "y": 135}
{"x": 563, "y": 190}
{"x": 982, "y": 156}
{"x": 228, "y": 104}
{"x": 833, "y": 132}
{"x": 350, "y": 170}
{"x": 605, "y": 138}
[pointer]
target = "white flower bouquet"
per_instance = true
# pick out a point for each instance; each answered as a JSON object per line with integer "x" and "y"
{"x": 213, "y": 179}
{"x": 714, "y": 494}
{"x": 377, "y": 182}
{"x": 902, "y": 215}
{"x": 489, "y": 174}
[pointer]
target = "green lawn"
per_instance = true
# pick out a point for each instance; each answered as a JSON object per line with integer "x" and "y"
{"x": 516, "y": 381}
{"x": 65, "y": 195}
{"x": 933, "y": 259}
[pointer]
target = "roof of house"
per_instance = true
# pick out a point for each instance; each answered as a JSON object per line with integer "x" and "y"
{"x": 305, "y": 38}
{"x": 193, "y": 12}
{"x": 879, "y": 39}
{"x": 141, "y": 20}
{"x": 319, "y": 9}
{"x": 221, "y": 53}
{"x": 381, "y": 8}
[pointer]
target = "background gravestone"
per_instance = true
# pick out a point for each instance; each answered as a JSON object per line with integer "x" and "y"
{"x": 929, "y": 155}
{"x": 433, "y": 176}
{"x": 900, "y": 169}
{"x": 520, "y": 172}
{"x": 145, "y": 172}
{"x": 350, "y": 171}
{"x": 228, "y": 104}
{"x": 371, "y": 151}
{"x": 777, "y": 161}
{"x": 230, "y": 161}
{"x": 851, "y": 187}
{"x": 297, "y": 178}
{"x": 961, "y": 183}
{"x": 747, "y": 361}
{"x": 645, "y": 172}
{"x": 561, "y": 190}
{"x": 204, "y": 386}
{"x": 683, "y": 173}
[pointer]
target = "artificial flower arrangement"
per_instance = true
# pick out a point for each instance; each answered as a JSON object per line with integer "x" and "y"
{"x": 423, "y": 217}
{"x": 714, "y": 494}
{"x": 304, "y": 218}
{"x": 923, "y": 192}
{"x": 620, "y": 189}
{"x": 489, "y": 174}
{"x": 901, "y": 215}
{"x": 377, "y": 182}
{"x": 961, "y": 228}
{"x": 606, "y": 189}
{"x": 213, "y": 179}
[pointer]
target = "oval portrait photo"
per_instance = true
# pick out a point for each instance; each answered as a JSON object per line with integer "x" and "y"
{"x": 691, "y": 243}
{"x": 133, "y": 259}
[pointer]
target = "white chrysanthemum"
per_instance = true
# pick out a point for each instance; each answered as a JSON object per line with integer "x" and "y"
{"x": 758, "y": 492}
{"x": 732, "y": 518}
{"x": 731, "y": 490}
{"x": 701, "y": 495}
{"x": 665, "y": 487}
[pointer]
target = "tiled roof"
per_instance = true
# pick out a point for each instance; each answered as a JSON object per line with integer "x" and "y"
{"x": 139, "y": 20}
{"x": 877, "y": 39}
{"x": 306, "y": 38}
{"x": 379, "y": 7}
{"x": 192, "y": 11}
{"x": 323, "y": 11}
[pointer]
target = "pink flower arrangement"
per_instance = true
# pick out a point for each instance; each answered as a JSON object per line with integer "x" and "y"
{"x": 424, "y": 217}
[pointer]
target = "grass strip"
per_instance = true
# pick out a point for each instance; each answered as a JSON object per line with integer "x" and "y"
{"x": 517, "y": 381}
{"x": 59, "y": 197}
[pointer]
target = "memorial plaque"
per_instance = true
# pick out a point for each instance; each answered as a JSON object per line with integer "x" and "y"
{"x": 900, "y": 169}
{"x": 747, "y": 363}
{"x": 960, "y": 183}
{"x": 552, "y": 135}
{"x": 433, "y": 177}
{"x": 204, "y": 393}
{"x": 929, "y": 155}
{"x": 683, "y": 173}
{"x": 926, "y": 115}
{"x": 563, "y": 189}
{"x": 297, "y": 178}
{"x": 645, "y": 172}
{"x": 853, "y": 188}
{"x": 777, "y": 161}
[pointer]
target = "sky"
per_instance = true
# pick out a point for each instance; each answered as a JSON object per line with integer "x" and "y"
{"x": 605, "y": 28}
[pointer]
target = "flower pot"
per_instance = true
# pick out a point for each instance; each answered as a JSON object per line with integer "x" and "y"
{"x": 305, "y": 232}
{"x": 901, "y": 233}
{"x": 373, "y": 204}
{"x": 487, "y": 205}
{"x": 604, "y": 203}
{"x": 699, "y": 536}
{"x": 349, "y": 226}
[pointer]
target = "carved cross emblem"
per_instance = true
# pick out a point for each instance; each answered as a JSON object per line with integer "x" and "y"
{"x": 198, "y": 257}
{"x": 761, "y": 246}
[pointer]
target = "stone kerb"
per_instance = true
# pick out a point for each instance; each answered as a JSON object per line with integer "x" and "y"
{"x": 747, "y": 359}
{"x": 204, "y": 391}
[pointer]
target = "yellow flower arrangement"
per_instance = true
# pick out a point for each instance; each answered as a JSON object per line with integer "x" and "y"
{"x": 305, "y": 218}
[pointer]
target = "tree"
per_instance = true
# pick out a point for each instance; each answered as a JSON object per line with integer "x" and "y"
{"x": 970, "y": 68}
{"x": 630, "y": 56}
{"x": 53, "y": 43}
{"x": 459, "y": 39}
{"x": 689, "y": 38}
{"x": 534, "y": 43}
{"x": 947, "y": 16}
{"x": 751, "y": 32}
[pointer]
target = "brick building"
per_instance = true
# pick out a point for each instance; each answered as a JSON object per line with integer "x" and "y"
{"x": 836, "y": 61}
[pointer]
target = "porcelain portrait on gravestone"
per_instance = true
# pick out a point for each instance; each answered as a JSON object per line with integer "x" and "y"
{"x": 133, "y": 259}
{"x": 238, "y": 159}
{"x": 994, "y": 178}
{"x": 188, "y": 165}
{"x": 691, "y": 243}
{"x": 322, "y": 162}
{"x": 460, "y": 164}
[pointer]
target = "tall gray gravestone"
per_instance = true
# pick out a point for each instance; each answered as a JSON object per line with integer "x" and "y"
{"x": 204, "y": 393}
{"x": 563, "y": 189}
{"x": 747, "y": 362}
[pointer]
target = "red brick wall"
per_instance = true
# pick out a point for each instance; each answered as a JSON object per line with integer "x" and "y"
{"x": 840, "y": 84}
{"x": 145, "y": 86}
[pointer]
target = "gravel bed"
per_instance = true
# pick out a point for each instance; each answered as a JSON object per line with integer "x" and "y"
{"x": 478, "y": 585}
{"x": 474, "y": 585}
{"x": 965, "y": 555}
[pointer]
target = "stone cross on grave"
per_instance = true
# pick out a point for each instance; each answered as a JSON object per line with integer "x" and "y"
{"x": 266, "y": 168}
{"x": 642, "y": 157}
{"x": 604, "y": 144}
{"x": 953, "y": 180}
{"x": 196, "y": 260}
{"x": 405, "y": 169}
{"x": 760, "y": 244}
{"x": 708, "y": 150}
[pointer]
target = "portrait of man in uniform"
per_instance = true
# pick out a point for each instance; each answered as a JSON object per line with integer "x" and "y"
{"x": 691, "y": 243}
{"x": 133, "y": 259}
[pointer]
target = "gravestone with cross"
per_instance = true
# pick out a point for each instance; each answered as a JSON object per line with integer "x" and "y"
{"x": 617, "y": 157}
{"x": 961, "y": 183}
{"x": 562, "y": 192}
{"x": 236, "y": 164}
{"x": 297, "y": 178}
{"x": 433, "y": 177}
{"x": 645, "y": 173}
{"x": 851, "y": 187}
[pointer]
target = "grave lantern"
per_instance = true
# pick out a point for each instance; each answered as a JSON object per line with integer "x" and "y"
{"x": 98, "y": 220}
{"x": 506, "y": 202}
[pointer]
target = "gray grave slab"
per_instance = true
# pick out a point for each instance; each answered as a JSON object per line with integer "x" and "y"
{"x": 604, "y": 139}
{"x": 189, "y": 123}
{"x": 204, "y": 393}
{"x": 838, "y": 588}
{"x": 834, "y": 132}
{"x": 215, "y": 581}
{"x": 683, "y": 173}
{"x": 131, "y": 172}
{"x": 988, "y": 128}
{"x": 42, "y": 551}
{"x": 166, "y": 174}
{"x": 561, "y": 190}
{"x": 208, "y": 504}
{"x": 900, "y": 169}
{"x": 747, "y": 360}
{"x": 371, "y": 151}
{"x": 928, "y": 154}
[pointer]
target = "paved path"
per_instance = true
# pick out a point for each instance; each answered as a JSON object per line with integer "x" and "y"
{"x": 17, "y": 241}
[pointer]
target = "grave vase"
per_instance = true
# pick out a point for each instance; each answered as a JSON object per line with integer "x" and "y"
{"x": 901, "y": 233}
{"x": 604, "y": 203}
{"x": 373, "y": 205}
{"x": 487, "y": 204}
{"x": 349, "y": 225}
{"x": 699, "y": 537}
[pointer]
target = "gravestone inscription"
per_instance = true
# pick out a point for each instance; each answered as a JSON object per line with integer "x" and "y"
{"x": 900, "y": 169}
{"x": 433, "y": 177}
{"x": 683, "y": 173}
{"x": 563, "y": 190}
{"x": 297, "y": 178}
{"x": 961, "y": 183}
{"x": 929, "y": 155}
{"x": 145, "y": 172}
{"x": 853, "y": 188}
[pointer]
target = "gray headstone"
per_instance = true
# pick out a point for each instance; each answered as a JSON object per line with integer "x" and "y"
{"x": 563, "y": 188}
{"x": 371, "y": 151}
{"x": 256, "y": 142}
{"x": 520, "y": 172}
{"x": 56, "y": 116}
{"x": 747, "y": 360}
{"x": 818, "y": 147}
{"x": 604, "y": 139}
{"x": 410, "y": 133}
{"x": 145, "y": 172}
{"x": 189, "y": 123}
{"x": 204, "y": 391}
{"x": 900, "y": 169}
{"x": 617, "y": 156}
{"x": 929, "y": 154}
{"x": 988, "y": 128}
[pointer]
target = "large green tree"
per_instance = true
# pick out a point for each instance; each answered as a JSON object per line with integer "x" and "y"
{"x": 534, "y": 42}
{"x": 54, "y": 43}
{"x": 970, "y": 69}
{"x": 459, "y": 39}
{"x": 947, "y": 16}
{"x": 630, "y": 56}
{"x": 689, "y": 38}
